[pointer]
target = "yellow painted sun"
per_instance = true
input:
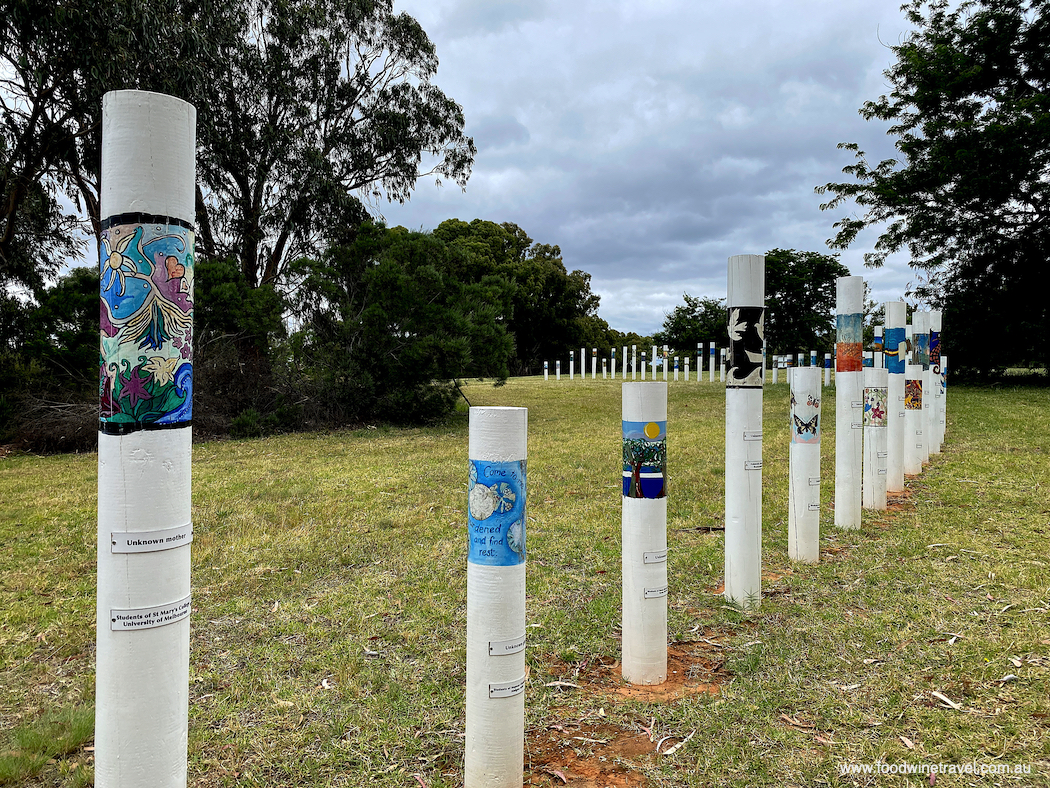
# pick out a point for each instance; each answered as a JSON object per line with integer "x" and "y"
{"x": 652, "y": 430}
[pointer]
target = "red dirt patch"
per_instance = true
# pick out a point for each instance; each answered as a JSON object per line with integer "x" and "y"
{"x": 586, "y": 755}
{"x": 899, "y": 502}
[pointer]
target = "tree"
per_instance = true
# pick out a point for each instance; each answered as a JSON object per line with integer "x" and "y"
{"x": 800, "y": 300}
{"x": 309, "y": 105}
{"x": 969, "y": 196}
{"x": 700, "y": 320}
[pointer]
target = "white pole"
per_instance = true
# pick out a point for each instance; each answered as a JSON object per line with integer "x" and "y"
{"x": 913, "y": 419}
{"x": 572, "y": 364}
{"x": 594, "y": 363}
{"x": 557, "y": 369}
{"x": 644, "y": 531}
{"x": 583, "y": 364}
{"x": 877, "y": 348}
{"x": 804, "y": 463}
{"x": 813, "y": 358}
{"x": 634, "y": 361}
{"x": 937, "y": 412}
{"x": 642, "y": 368}
{"x": 144, "y": 444}
{"x": 827, "y": 369}
{"x": 944, "y": 395}
{"x": 699, "y": 362}
{"x": 545, "y": 374}
{"x": 686, "y": 361}
{"x": 920, "y": 322}
{"x": 776, "y": 368}
{"x": 849, "y": 396}
{"x": 711, "y": 362}
{"x": 722, "y": 365}
{"x": 894, "y": 348}
{"x": 875, "y": 405}
{"x": 612, "y": 363}
{"x": 745, "y": 297}
{"x": 623, "y": 363}
{"x": 496, "y": 517}
{"x": 605, "y": 368}
{"x": 675, "y": 368}
{"x": 665, "y": 362}
{"x": 652, "y": 361}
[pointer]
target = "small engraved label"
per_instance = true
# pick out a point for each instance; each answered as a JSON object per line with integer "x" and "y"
{"x": 753, "y": 436}
{"x": 857, "y": 426}
{"x": 149, "y": 617}
{"x": 507, "y": 689}
{"x": 918, "y": 432}
{"x": 814, "y": 481}
{"x": 150, "y": 541}
{"x": 814, "y": 507}
{"x": 656, "y": 557}
{"x": 882, "y": 471}
{"x": 900, "y": 399}
{"x": 655, "y": 593}
{"x": 498, "y": 648}
{"x": 752, "y": 465}
{"x": 856, "y": 404}
{"x": 900, "y": 415}
{"x": 882, "y": 455}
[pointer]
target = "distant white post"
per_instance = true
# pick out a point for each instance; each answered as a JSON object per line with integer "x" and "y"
{"x": 623, "y": 363}
{"x": 605, "y": 368}
{"x": 937, "y": 411}
{"x": 148, "y": 181}
{"x": 665, "y": 362}
{"x": 652, "y": 361}
{"x": 722, "y": 365}
{"x": 496, "y": 517}
{"x": 634, "y": 361}
{"x": 804, "y": 466}
{"x": 612, "y": 365}
{"x": 572, "y": 354}
{"x": 893, "y": 350}
{"x": 594, "y": 363}
{"x": 642, "y": 368}
{"x": 944, "y": 396}
{"x": 699, "y": 362}
{"x": 583, "y": 364}
{"x": 743, "y": 474}
{"x": 675, "y": 368}
{"x": 827, "y": 369}
{"x": 849, "y": 396}
{"x": 644, "y": 532}
{"x": 913, "y": 395}
{"x": 920, "y": 356}
{"x": 877, "y": 348}
{"x": 557, "y": 365}
{"x": 813, "y": 360}
{"x": 875, "y": 407}
{"x": 776, "y": 369}
{"x": 686, "y": 361}
{"x": 711, "y": 362}
{"x": 545, "y": 371}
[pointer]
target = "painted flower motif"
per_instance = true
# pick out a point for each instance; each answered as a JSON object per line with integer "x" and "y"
{"x": 134, "y": 387}
{"x": 115, "y": 262}
{"x": 162, "y": 369}
{"x": 737, "y": 327}
{"x": 516, "y": 537}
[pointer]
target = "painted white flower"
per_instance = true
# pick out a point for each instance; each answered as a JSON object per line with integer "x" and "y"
{"x": 162, "y": 369}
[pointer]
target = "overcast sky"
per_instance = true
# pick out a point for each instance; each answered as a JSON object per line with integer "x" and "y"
{"x": 652, "y": 139}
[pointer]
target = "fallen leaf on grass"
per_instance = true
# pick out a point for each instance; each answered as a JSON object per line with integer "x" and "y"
{"x": 946, "y": 700}
{"x": 795, "y": 722}
{"x": 1008, "y": 677}
{"x": 822, "y": 740}
{"x": 677, "y": 747}
{"x": 562, "y": 684}
{"x": 1016, "y": 662}
{"x": 276, "y": 605}
{"x": 907, "y": 742}
{"x": 326, "y": 684}
{"x": 419, "y": 778}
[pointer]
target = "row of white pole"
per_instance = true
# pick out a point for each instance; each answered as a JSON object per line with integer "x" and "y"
{"x": 144, "y": 528}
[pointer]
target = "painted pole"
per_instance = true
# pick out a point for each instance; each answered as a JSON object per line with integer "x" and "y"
{"x": 644, "y": 532}
{"x": 776, "y": 368}
{"x": 612, "y": 365}
{"x": 877, "y": 348}
{"x": 875, "y": 407}
{"x": 849, "y": 403}
{"x": 572, "y": 354}
{"x": 686, "y": 362}
{"x": 144, "y": 442}
{"x": 745, "y": 299}
{"x": 913, "y": 419}
{"x": 827, "y": 369}
{"x": 642, "y": 368}
{"x": 623, "y": 363}
{"x": 665, "y": 362}
{"x": 634, "y": 361}
{"x": 936, "y": 412}
{"x": 594, "y": 363}
{"x": 557, "y": 369}
{"x": 605, "y": 368}
{"x": 920, "y": 322}
{"x": 496, "y": 518}
{"x": 804, "y": 464}
{"x": 545, "y": 373}
{"x": 813, "y": 359}
{"x": 675, "y": 367}
{"x": 894, "y": 348}
{"x": 711, "y": 362}
{"x": 699, "y": 361}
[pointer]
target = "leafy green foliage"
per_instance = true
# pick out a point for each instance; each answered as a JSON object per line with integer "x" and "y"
{"x": 969, "y": 195}
{"x": 700, "y": 320}
{"x": 800, "y": 300}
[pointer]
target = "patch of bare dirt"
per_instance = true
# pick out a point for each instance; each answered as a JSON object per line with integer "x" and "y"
{"x": 587, "y": 755}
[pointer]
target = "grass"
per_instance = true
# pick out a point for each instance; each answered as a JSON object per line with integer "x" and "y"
{"x": 329, "y": 601}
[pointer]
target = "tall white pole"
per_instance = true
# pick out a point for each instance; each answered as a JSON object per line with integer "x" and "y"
{"x": 937, "y": 412}
{"x": 920, "y": 322}
{"x": 612, "y": 364}
{"x": 652, "y": 361}
{"x": 594, "y": 363}
{"x": 583, "y": 364}
{"x": 686, "y": 362}
{"x": 665, "y": 362}
{"x": 878, "y": 347}
{"x": 875, "y": 405}
{"x": 605, "y": 368}
{"x": 144, "y": 443}
{"x": 557, "y": 369}
{"x": 711, "y": 362}
{"x": 913, "y": 395}
{"x": 813, "y": 358}
{"x": 944, "y": 395}
{"x": 545, "y": 371}
{"x": 642, "y": 366}
{"x": 675, "y": 367}
{"x": 745, "y": 298}
{"x": 776, "y": 369}
{"x": 634, "y": 361}
{"x": 894, "y": 348}
{"x": 699, "y": 362}
{"x": 827, "y": 369}
{"x": 623, "y": 363}
{"x": 849, "y": 414}
{"x": 722, "y": 365}
{"x": 496, "y": 518}
{"x": 572, "y": 359}
{"x": 644, "y": 531}
{"x": 804, "y": 464}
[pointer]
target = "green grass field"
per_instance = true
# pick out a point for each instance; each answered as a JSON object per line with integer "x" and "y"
{"x": 329, "y": 579}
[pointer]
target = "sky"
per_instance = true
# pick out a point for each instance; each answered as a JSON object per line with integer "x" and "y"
{"x": 653, "y": 139}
